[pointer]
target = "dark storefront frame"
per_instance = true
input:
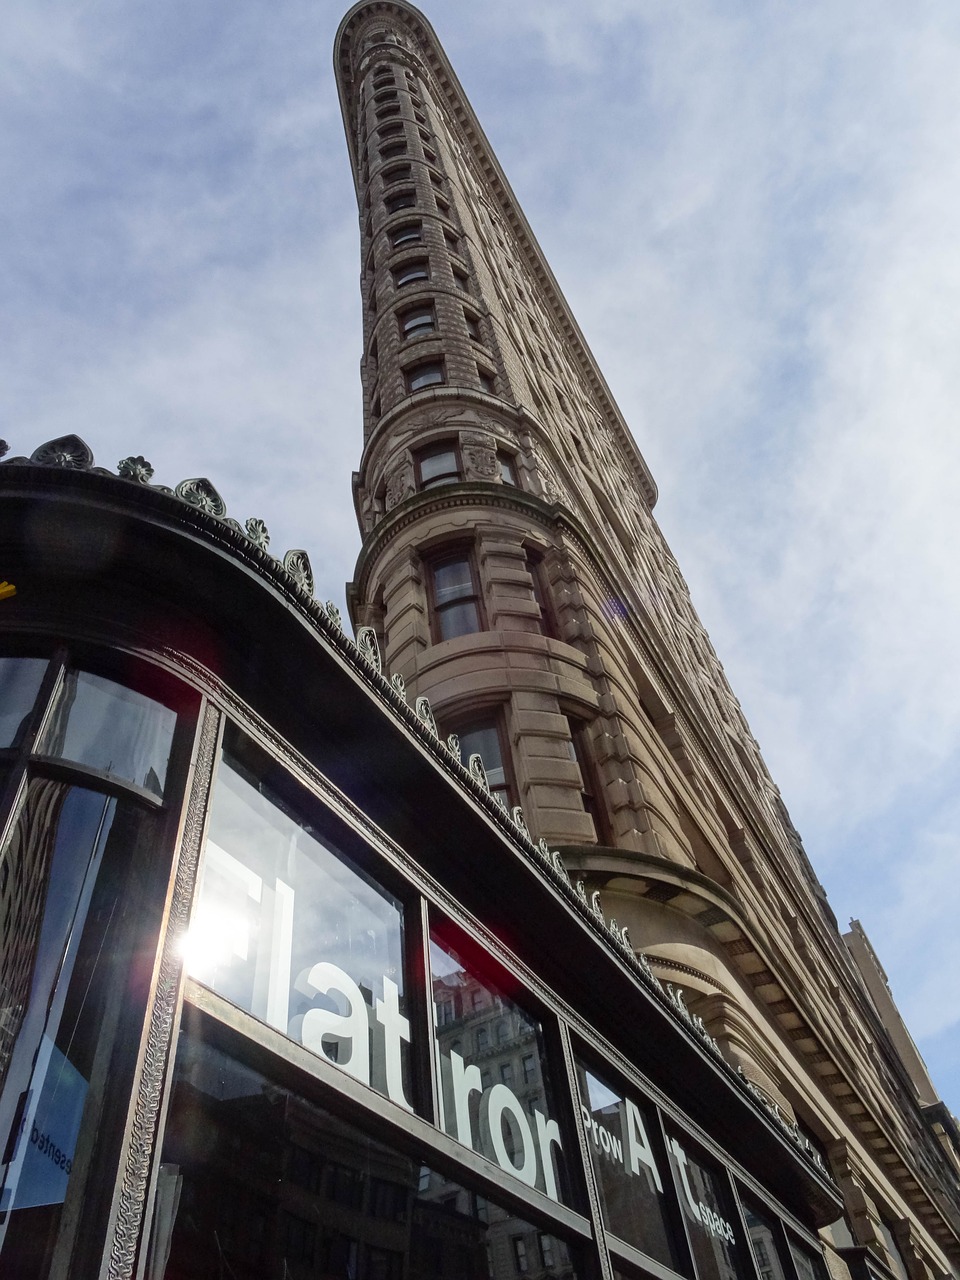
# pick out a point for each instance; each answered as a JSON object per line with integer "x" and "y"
{"x": 227, "y": 610}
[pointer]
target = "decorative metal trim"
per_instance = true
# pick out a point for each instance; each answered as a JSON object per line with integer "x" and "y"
{"x": 425, "y": 716}
{"x": 199, "y": 492}
{"x": 163, "y": 1008}
{"x": 369, "y": 648}
{"x": 297, "y": 564}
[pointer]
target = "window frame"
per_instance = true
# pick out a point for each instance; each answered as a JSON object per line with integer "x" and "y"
{"x": 474, "y": 596}
{"x": 425, "y": 369}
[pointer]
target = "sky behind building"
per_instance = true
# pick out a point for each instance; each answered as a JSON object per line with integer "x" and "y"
{"x": 751, "y": 211}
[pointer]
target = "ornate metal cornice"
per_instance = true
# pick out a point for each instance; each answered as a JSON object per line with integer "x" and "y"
{"x": 197, "y": 503}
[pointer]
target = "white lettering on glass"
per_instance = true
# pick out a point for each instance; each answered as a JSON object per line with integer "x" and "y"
{"x": 349, "y": 1031}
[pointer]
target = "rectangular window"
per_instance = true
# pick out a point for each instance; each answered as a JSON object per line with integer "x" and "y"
{"x": 103, "y": 725}
{"x": 482, "y": 738}
{"x": 590, "y": 794}
{"x": 493, "y": 1122}
{"x": 455, "y": 599}
{"x": 704, "y": 1201}
{"x": 229, "y": 1129}
{"x": 400, "y": 173}
{"x": 763, "y": 1241}
{"x": 488, "y": 382}
{"x": 402, "y": 200}
{"x": 439, "y": 464}
{"x": 473, "y": 326}
{"x": 508, "y": 468}
{"x": 288, "y": 929}
{"x": 411, "y": 273}
{"x": 409, "y": 233}
{"x": 84, "y": 876}
{"x": 629, "y": 1169}
{"x": 429, "y": 374}
{"x": 520, "y": 1256}
{"x": 418, "y": 321}
{"x": 20, "y": 680}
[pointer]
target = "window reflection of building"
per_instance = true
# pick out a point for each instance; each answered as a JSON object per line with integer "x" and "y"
{"x": 258, "y": 1183}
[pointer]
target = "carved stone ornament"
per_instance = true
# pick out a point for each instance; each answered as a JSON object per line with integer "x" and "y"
{"x": 369, "y": 649}
{"x": 477, "y": 771}
{"x": 333, "y": 613}
{"x": 453, "y": 745}
{"x": 425, "y": 715}
{"x": 137, "y": 469}
{"x": 297, "y": 564}
{"x": 68, "y": 451}
{"x": 200, "y": 493}
{"x": 399, "y": 684}
{"x": 258, "y": 533}
{"x": 479, "y": 451}
{"x": 399, "y": 485}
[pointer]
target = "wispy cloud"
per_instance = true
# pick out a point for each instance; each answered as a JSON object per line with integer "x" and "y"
{"x": 752, "y": 212}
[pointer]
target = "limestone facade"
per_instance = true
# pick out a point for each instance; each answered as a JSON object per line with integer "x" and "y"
{"x": 516, "y": 576}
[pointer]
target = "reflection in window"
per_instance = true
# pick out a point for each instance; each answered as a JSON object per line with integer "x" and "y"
{"x": 493, "y": 1120}
{"x": 482, "y": 738}
{"x": 440, "y": 464}
{"x": 223, "y": 1209}
{"x": 287, "y": 929}
{"x": 102, "y": 725}
{"x": 709, "y": 1218}
{"x": 627, "y": 1169}
{"x": 455, "y": 601}
{"x": 764, "y": 1245}
{"x": 20, "y": 680}
{"x": 810, "y": 1265}
{"x": 67, "y": 973}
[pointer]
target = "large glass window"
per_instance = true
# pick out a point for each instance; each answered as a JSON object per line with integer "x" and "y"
{"x": 489, "y": 1037}
{"x": 621, "y": 1135}
{"x": 100, "y": 724}
{"x": 20, "y": 680}
{"x": 455, "y": 602}
{"x": 289, "y": 929}
{"x": 763, "y": 1242}
{"x": 72, "y": 976}
{"x": 704, "y": 1202}
{"x": 258, "y": 1181}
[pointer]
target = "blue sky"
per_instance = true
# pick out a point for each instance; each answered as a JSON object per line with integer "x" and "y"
{"x": 751, "y": 210}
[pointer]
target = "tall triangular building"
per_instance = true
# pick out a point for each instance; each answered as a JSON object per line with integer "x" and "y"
{"x": 516, "y": 576}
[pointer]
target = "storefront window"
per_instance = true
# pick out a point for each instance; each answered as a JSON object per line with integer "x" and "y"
{"x": 71, "y": 1005}
{"x": 709, "y": 1217}
{"x": 483, "y": 1037}
{"x": 810, "y": 1265}
{"x": 290, "y": 930}
{"x": 20, "y": 680}
{"x": 100, "y": 724}
{"x": 763, "y": 1242}
{"x": 256, "y": 1180}
{"x": 629, "y": 1176}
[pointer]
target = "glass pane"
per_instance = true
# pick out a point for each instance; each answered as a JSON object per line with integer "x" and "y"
{"x": 459, "y": 620}
{"x": 709, "y": 1220}
{"x": 628, "y": 1173}
{"x": 259, "y": 1183}
{"x": 20, "y": 680}
{"x": 452, "y": 580}
{"x": 441, "y": 463}
{"x": 484, "y": 741}
{"x": 810, "y": 1265}
{"x": 494, "y": 1081}
{"x": 108, "y": 727}
{"x": 763, "y": 1242}
{"x": 71, "y": 957}
{"x": 427, "y": 376}
{"x": 289, "y": 930}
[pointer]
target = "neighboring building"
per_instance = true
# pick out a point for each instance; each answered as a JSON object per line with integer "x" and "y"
{"x": 308, "y": 958}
